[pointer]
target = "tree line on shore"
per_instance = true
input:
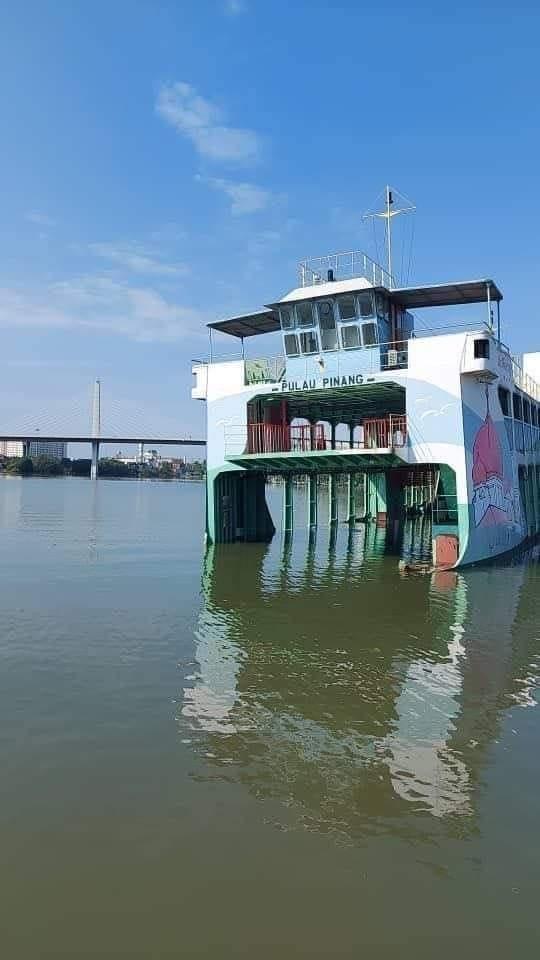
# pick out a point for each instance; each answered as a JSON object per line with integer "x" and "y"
{"x": 50, "y": 467}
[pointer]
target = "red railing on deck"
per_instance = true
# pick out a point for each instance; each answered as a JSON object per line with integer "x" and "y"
{"x": 381, "y": 433}
{"x": 275, "y": 438}
{"x": 385, "y": 432}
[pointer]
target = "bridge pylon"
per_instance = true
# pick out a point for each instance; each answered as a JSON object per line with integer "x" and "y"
{"x": 96, "y": 430}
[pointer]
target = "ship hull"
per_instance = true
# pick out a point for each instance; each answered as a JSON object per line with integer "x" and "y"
{"x": 459, "y": 439}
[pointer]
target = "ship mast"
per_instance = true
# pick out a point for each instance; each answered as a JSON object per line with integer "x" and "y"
{"x": 390, "y": 211}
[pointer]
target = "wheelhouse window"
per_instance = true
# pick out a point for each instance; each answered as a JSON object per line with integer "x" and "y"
{"x": 291, "y": 345}
{"x": 350, "y": 336}
{"x": 327, "y": 325}
{"x": 359, "y": 335}
{"x": 304, "y": 313}
{"x": 295, "y": 318}
{"x": 365, "y": 304}
{"x": 309, "y": 342}
{"x": 287, "y": 318}
{"x": 346, "y": 305}
{"x": 369, "y": 334}
{"x": 345, "y": 321}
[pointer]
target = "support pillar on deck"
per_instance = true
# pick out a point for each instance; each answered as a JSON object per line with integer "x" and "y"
{"x": 532, "y": 472}
{"x": 332, "y": 499}
{"x": 536, "y": 475}
{"x": 288, "y": 508}
{"x": 351, "y": 498}
{"x": 376, "y": 508}
{"x": 333, "y": 436}
{"x": 369, "y": 497}
{"x": 351, "y": 435}
{"x": 237, "y": 508}
{"x": 312, "y": 500}
{"x": 532, "y": 499}
{"x": 95, "y": 460}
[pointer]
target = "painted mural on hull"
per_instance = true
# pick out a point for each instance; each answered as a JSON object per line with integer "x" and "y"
{"x": 495, "y": 508}
{"x": 496, "y": 492}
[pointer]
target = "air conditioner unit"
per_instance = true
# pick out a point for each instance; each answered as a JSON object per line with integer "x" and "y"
{"x": 392, "y": 358}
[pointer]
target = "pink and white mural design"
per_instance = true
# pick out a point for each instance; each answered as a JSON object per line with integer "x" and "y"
{"x": 495, "y": 490}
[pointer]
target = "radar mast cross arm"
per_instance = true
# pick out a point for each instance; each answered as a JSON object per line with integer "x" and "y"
{"x": 386, "y": 215}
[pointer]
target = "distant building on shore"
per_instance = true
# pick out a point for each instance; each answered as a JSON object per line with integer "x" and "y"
{"x": 37, "y": 448}
{"x": 149, "y": 458}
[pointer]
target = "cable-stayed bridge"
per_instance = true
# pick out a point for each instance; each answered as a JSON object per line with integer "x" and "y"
{"x": 121, "y": 423}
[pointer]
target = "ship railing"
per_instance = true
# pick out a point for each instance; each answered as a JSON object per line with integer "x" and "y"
{"x": 393, "y": 355}
{"x": 218, "y": 358}
{"x": 341, "y": 363}
{"x": 443, "y": 327}
{"x": 375, "y": 433}
{"x": 523, "y": 380}
{"x": 343, "y": 266}
{"x": 522, "y": 437}
{"x": 445, "y": 508}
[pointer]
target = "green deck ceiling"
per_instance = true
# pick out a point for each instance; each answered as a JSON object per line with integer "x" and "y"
{"x": 341, "y": 404}
{"x": 320, "y": 461}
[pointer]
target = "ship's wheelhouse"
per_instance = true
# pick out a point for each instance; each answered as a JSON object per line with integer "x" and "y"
{"x": 344, "y": 321}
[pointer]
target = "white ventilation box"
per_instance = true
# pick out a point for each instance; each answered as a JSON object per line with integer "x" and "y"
{"x": 531, "y": 365}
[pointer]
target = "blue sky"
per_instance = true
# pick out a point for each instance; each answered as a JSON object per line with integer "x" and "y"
{"x": 167, "y": 163}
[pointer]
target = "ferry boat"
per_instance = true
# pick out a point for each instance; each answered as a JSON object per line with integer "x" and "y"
{"x": 439, "y": 417}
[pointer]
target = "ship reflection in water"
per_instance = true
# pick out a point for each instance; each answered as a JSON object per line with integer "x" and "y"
{"x": 356, "y": 699}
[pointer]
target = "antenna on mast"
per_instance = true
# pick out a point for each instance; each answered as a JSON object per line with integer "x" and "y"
{"x": 390, "y": 211}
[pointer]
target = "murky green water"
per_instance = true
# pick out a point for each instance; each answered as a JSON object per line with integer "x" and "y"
{"x": 292, "y": 751}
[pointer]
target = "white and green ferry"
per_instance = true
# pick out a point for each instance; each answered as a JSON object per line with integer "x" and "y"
{"x": 436, "y": 416}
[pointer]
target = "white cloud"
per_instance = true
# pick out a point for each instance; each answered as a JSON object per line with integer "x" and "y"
{"x": 101, "y": 304}
{"x": 244, "y": 197}
{"x": 234, "y": 7}
{"x": 137, "y": 259}
{"x": 42, "y": 220}
{"x": 202, "y": 122}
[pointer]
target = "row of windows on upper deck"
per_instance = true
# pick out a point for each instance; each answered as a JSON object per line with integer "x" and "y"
{"x": 337, "y": 321}
{"x": 519, "y": 406}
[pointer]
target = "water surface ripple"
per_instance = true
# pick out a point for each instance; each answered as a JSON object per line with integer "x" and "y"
{"x": 284, "y": 750}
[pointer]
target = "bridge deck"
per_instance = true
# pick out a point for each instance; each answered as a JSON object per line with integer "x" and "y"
{"x": 49, "y": 438}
